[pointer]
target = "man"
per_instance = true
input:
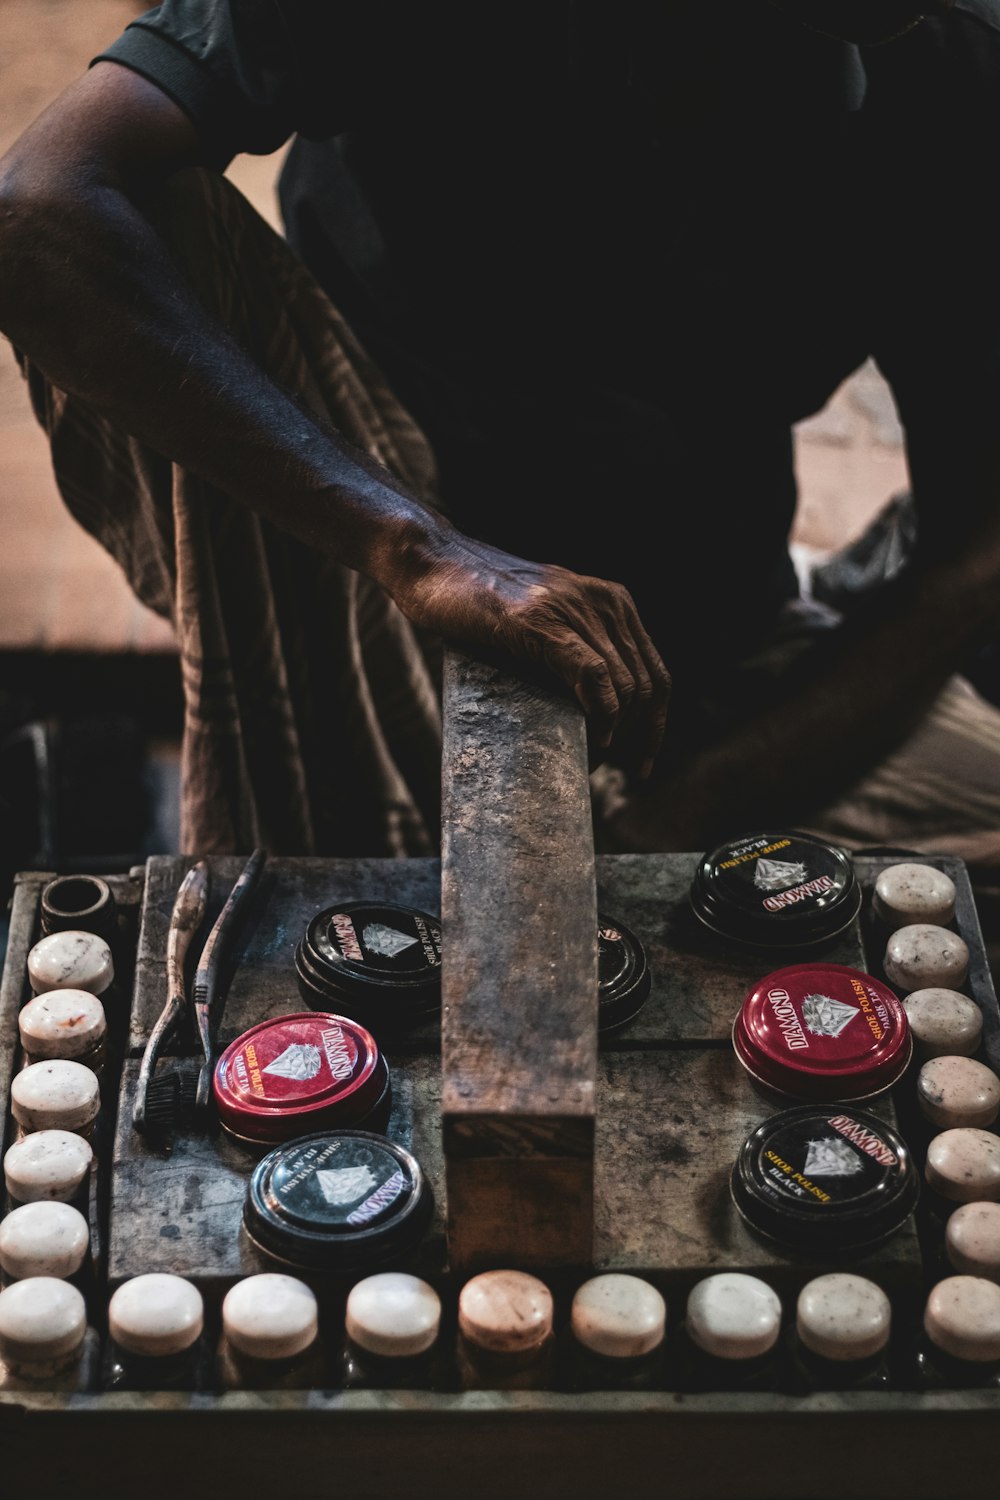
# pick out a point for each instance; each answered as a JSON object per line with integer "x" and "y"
{"x": 578, "y": 243}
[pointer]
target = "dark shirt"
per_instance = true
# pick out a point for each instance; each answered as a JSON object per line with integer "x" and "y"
{"x": 608, "y": 255}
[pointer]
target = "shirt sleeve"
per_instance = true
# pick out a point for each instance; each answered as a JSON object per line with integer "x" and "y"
{"x": 251, "y": 73}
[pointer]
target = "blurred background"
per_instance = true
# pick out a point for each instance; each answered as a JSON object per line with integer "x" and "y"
{"x": 90, "y": 706}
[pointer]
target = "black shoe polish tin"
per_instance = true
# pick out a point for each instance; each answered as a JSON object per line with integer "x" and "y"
{"x": 825, "y": 1180}
{"x": 623, "y": 974}
{"x": 776, "y": 890}
{"x": 376, "y": 961}
{"x": 344, "y": 1201}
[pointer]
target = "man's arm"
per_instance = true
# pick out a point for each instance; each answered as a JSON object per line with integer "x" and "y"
{"x": 90, "y": 293}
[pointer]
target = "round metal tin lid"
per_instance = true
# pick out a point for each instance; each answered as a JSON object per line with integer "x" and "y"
{"x": 366, "y": 945}
{"x": 297, "y": 1071}
{"x": 344, "y": 1200}
{"x": 823, "y": 1031}
{"x": 623, "y": 973}
{"x": 383, "y": 1009}
{"x": 827, "y": 1178}
{"x": 776, "y": 889}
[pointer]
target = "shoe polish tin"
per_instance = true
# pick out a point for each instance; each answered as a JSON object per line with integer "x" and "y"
{"x": 823, "y": 1031}
{"x": 623, "y": 974}
{"x": 776, "y": 890}
{"x": 345, "y": 1201}
{"x": 376, "y": 961}
{"x": 290, "y": 1075}
{"x": 827, "y": 1179}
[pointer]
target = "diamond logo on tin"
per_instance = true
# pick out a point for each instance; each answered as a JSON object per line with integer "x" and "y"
{"x": 777, "y": 874}
{"x": 386, "y": 942}
{"x": 345, "y": 1184}
{"x": 824, "y": 1016}
{"x": 299, "y": 1060}
{"x": 826, "y": 1158}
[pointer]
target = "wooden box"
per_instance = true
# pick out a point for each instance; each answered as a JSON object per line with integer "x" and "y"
{"x": 630, "y": 1147}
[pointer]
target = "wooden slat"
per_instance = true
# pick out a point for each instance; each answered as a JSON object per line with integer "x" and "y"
{"x": 519, "y": 973}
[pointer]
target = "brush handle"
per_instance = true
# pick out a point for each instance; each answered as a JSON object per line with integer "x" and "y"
{"x": 206, "y": 979}
{"x": 185, "y": 919}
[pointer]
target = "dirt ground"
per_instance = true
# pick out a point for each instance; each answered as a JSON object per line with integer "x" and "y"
{"x": 59, "y": 591}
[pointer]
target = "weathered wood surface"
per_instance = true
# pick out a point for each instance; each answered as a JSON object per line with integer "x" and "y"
{"x": 519, "y": 973}
{"x": 290, "y": 892}
{"x": 737, "y": 1444}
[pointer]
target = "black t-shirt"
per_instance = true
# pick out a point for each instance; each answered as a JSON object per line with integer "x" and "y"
{"x": 609, "y": 254}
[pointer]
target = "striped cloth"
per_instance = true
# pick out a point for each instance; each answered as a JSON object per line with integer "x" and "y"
{"x": 311, "y": 708}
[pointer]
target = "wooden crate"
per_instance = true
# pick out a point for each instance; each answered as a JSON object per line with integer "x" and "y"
{"x": 668, "y": 1112}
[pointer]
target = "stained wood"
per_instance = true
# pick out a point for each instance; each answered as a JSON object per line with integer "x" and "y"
{"x": 657, "y": 1100}
{"x": 519, "y": 973}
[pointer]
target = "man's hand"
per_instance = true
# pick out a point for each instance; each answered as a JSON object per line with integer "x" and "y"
{"x": 585, "y": 631}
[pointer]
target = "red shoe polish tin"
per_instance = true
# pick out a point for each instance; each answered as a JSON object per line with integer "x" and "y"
{"x": 823, "y": 1031}
{"x": 781, "y": 889}
{"x": 299, "y": 1073}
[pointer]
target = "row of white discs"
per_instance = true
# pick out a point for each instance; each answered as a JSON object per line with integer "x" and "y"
{"x": 839, "y": 1316}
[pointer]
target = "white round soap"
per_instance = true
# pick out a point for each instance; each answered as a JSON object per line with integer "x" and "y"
{"x": 393, "y": 1314}
{"x": 912, "y": 892}
{"x": 55, "y": 1095}
{"x": 963, "y": 1165}
{"x": 43, "y": 1239}
{"x": 962, "y": 1318}
{"x": 956, "y": 1091}
{"x": 505, "y": 1312}
{"x": 618, "y": 1316}
{"x": 943, "y": 1023}
{"x": 922, "y": 956}
{"x": 62, "y": 1023}
{"x": 48, "y": 1164}
{"x": 156, "y": 1314}
{"x": 270, "y": 1316}
{"x": 972, "y": 1240}
{"x": 733, "y": 1316}
{"x": 841, "y": 1316}
{"x": 70, "y": 961}
{"x": 42, "y": 1321}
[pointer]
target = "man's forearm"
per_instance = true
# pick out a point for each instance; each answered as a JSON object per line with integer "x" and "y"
{"x": 89, "y": 291}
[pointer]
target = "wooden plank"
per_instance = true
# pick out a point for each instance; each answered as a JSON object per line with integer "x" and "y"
{"x": 519, "y": 972}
